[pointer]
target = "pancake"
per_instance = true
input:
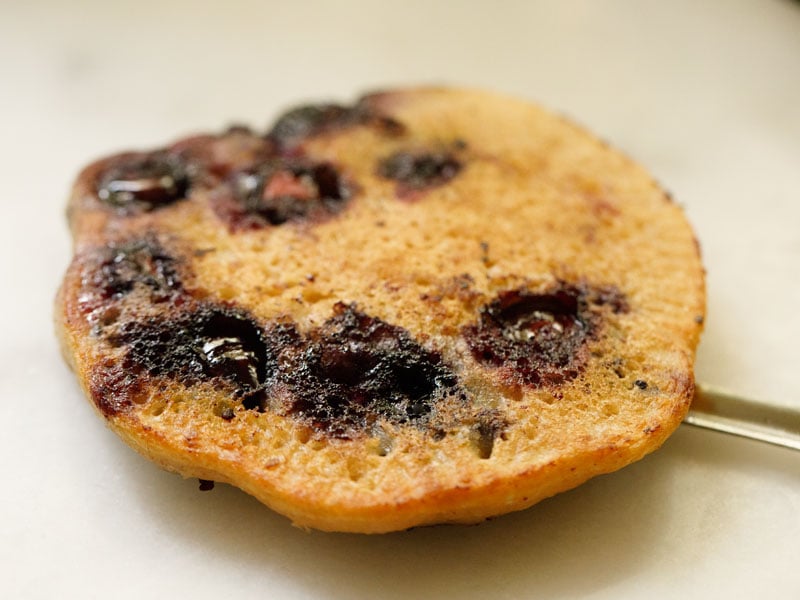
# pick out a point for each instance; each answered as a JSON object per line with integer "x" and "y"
{"x": 431, "y": 306}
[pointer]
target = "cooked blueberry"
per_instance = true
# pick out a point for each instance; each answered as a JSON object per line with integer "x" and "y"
{"x": 540, "y": 339}
{"x": 144, "y": 262}
{"x": 143, "y": 182}
{"x": 417, "y": 171}
{"x": 208, "y": 343}
{"x": 305, "y": 121}
{"x": 357, "y": 369}
{"x": 284, "y": 191}
{"x": 301, "y": 123}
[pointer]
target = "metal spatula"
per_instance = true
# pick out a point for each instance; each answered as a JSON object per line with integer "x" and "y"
{"x": 723, "y": 411}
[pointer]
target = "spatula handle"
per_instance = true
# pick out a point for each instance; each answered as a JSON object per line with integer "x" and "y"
{"x": 719, "y": 410}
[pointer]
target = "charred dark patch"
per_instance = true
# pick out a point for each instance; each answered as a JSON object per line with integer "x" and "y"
{"x": 356, "y": 370}
{"x": 144, "y": 263}
{"x": 304, "y": 122}
{"x": 415, "y": 171}
{"x": 341, "y": 379}
{"x": 540, "y": 339}
{"x": 136, "y": 183}
{"x": 208, "y": 343}
{"x": 281, "y": 192}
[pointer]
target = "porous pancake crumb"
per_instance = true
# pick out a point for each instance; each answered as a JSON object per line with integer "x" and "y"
{"x": 432, "y": 306}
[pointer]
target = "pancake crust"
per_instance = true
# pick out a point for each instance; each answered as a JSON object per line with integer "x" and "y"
{"x": 433, "y": 306}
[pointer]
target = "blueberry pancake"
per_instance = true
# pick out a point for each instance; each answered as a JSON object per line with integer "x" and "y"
{"x": 431, "y": 306}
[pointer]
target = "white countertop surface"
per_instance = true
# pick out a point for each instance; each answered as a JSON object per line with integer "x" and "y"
{"x": 705, "y": 94}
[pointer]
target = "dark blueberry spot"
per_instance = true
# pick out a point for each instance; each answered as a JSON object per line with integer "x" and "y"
{"x": 143, "y": 182}
{"x": 206, "y": 485}
{"x": 284, "y": 191}
{"x": 305, "y": 121}
{"x": 342, "y": 378}
{"x": 539, "y": 338}
{"x": 142, "y": 262}
{"x": 357, "y": 369}
{"x": 208, "y": 343}
{"x": 255, "y": 400}
{"x": 417, "y": 171}
{"x": 301, "y": 123}
{"x": 641, "y": 384}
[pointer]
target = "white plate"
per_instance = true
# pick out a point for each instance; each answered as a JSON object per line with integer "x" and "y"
{"x": 706, "y": 95}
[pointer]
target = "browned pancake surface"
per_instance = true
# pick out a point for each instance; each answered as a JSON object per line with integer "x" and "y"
{"x": 435, "y": 305}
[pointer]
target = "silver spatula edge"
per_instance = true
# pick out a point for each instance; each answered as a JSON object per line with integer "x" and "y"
{"x": 717, "y": 409}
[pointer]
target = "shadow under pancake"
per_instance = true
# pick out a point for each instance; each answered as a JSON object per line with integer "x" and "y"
{"x": 587, "y": 539}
